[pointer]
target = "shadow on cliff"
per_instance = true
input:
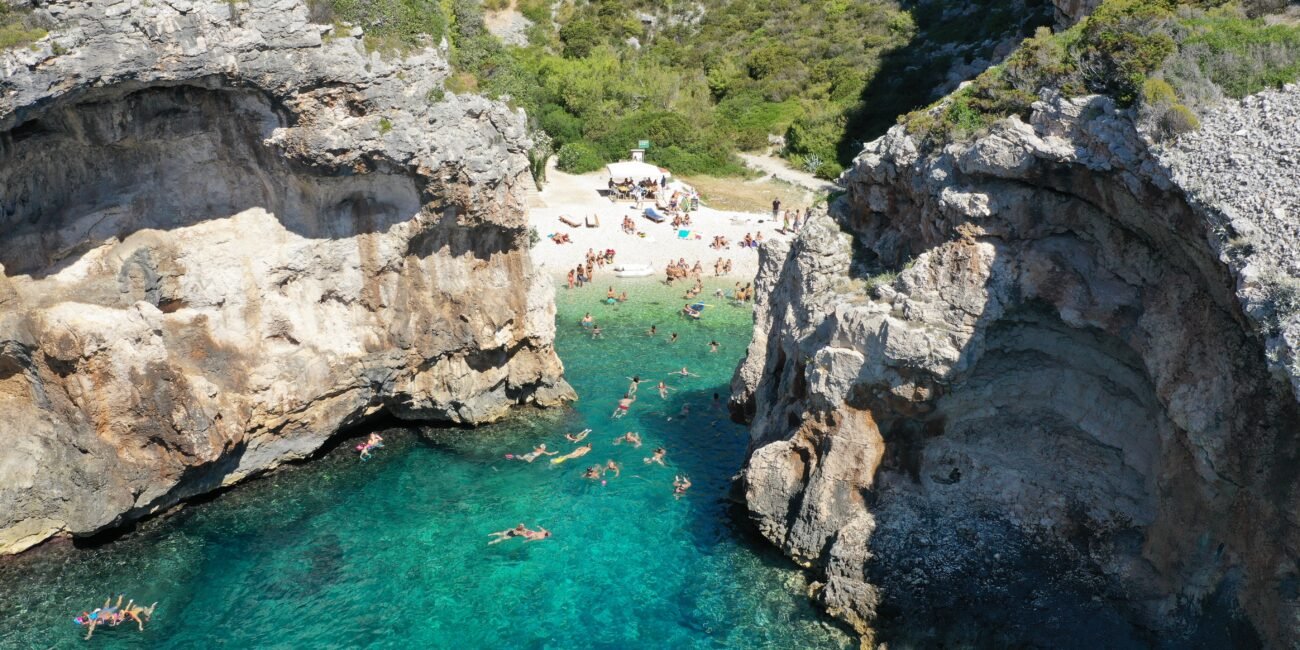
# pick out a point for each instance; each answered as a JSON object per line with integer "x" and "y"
{"x": 122, "y": 160}
{"x": 909, "y": 77}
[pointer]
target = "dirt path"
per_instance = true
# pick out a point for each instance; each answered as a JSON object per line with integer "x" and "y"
{"x": 781, "y": 170}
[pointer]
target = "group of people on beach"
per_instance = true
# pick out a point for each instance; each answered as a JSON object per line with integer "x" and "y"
{"x": 680, "y": 270}
{"x": 791, "y": 220}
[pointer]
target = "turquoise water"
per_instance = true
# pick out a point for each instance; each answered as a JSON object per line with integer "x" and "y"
{"x": 336, "y": 553}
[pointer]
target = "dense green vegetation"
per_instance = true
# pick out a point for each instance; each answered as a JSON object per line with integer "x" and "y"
{"x": 701, "y": 85}
{"x": 1168, "y": 58}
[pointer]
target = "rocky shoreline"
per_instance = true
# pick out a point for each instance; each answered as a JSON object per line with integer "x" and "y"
{"x": 1041, "y": 335}
{"x": 231, "y": 233}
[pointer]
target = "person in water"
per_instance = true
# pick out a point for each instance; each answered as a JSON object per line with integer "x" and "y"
{"x": 623, "y": 405}
{"x": 595, "y": 332}
{"x": 114, "y": 615}
{"x": 631, "y": 437}
{"x": 663, "y": 390}
{"x": 535, "y": 453}
{"x": 587, "y": 320}
{"x": 680, "y": 485}
{"x": 686, "y": 309}
{"x": 713, "y": 346}
{"x": 610, "y": 295}
{"x": 622, "y": 297}
{"x": 684, "y": 372}
{"x": 673, "y": 338}
{"x": 577, "y": 437}
{"x": 594, "y": 472}
{"x": 503, "y": 535}
{"x": 536, "y": 535}
{"x": 652, "y": 331}
{"x": 611, "y": 466}
{"x": 375, "y": 441}
{"x": 636, "y": 380}
{"x": 576, "y": 453}
{"x": 658, "y": 457}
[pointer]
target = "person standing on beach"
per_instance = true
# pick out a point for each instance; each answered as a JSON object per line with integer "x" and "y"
{"x": 776, "y": 208}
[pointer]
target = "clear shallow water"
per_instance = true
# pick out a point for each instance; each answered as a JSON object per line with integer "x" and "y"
{"x": 392, "y": 553}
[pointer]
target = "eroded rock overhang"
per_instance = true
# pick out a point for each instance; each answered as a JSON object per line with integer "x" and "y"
{"x": 225, "y": 234}
{"x": 1035, "y": 345}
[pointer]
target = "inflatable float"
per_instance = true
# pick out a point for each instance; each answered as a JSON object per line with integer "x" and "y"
{"x": 633, "y": 270}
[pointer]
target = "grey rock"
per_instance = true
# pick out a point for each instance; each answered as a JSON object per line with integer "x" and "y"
{"x": 1073, "y": 341}
{"x": 224, "y": 237}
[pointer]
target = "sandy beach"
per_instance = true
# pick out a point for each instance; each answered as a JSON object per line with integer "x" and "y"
{"x": 577, "y": 196}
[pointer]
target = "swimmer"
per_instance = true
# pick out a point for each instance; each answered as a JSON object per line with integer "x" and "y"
{"x": 663, "y": 390}
{"x": 652, "y": 331}
{"x": 576, "y": 453}
{"x": 673, "y": 338}
{"x": 502, "y": 535}
{"x": 680, "y": 485}
{"x": 611, "y": 466}
{"x": 631, "y": 438}
{"x": 535, "y": 453}
{"x": 684, "y": 372}
{"x": 713, "y": 346}
{"x": 622, "y": 297}
{"x": 595, "y": 331}
{"x": 536, "y": 535}
{"x": 577, "y": 437}
{"x": 610, "y": 294}
{"x": 138, "y": 614}
{"x": 594, "y": 472}
{"x": 587, "y": 320}
{"x": 635, "y": 379}
{"x": 101, "y": 615}
{"x": 375, "y": 441}
{"x": 623, "y": 405}
{"x": 658, "y": 457}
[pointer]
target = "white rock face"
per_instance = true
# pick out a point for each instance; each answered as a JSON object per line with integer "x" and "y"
{"x": 1064, "y": 416}
{"x": 227, "y": 233}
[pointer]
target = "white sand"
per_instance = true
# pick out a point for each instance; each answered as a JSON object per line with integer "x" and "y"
{"x": 577, "y": 197}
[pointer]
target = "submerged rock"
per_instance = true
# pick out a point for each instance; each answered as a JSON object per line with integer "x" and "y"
{"x": 225, "y": 234}
{"x": 1025, "y": 389}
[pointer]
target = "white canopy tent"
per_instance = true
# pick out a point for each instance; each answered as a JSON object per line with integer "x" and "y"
{"x": 634, "y": 170}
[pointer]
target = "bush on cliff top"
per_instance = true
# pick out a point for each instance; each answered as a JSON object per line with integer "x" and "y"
{"x": 1167, "y": 58}
{"x": 18, "y": 27}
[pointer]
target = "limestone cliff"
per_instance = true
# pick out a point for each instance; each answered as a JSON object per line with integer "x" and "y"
{"x": 225, "y": 234}
{"x": 1037, "y": 389}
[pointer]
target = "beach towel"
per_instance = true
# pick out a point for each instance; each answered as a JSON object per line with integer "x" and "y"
{"x": 683, "y": 234}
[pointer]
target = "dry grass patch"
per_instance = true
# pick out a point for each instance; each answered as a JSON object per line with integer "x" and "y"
{"x": 740, "y": 195}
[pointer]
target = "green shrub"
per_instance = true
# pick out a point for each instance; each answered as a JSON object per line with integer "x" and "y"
{"x": 385, "y": 125}
{"x": 392, "y": 25}
{"x": 578, "y": 158}
{"x": 580, "y": 38}
{"x": 18, "y": 27}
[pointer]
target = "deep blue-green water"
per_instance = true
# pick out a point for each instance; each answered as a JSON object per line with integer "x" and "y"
{"x": 336, "y": 553}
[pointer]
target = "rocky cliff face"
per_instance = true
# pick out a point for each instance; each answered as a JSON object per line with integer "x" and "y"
{"x": 1039, "y": 386}
{"x": 226, "y": 233}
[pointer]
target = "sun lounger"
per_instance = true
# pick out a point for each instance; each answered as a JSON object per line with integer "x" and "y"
{"x": 593, "y": 221}
{"x": 654, "y": 215}
{"x": 568, "y": 221}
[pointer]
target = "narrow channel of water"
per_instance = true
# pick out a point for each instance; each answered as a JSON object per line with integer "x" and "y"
{"x": 338, "y": 553}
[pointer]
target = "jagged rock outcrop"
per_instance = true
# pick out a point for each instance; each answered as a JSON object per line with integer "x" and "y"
{"x": 1069, "y": 418}
{"x": 225, "y": 234}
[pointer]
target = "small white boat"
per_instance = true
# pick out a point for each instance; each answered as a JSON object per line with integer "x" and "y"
{"x": 633, "y": 270}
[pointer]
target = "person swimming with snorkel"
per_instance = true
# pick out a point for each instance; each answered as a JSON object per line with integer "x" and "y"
{"x": 375, "y": 441}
